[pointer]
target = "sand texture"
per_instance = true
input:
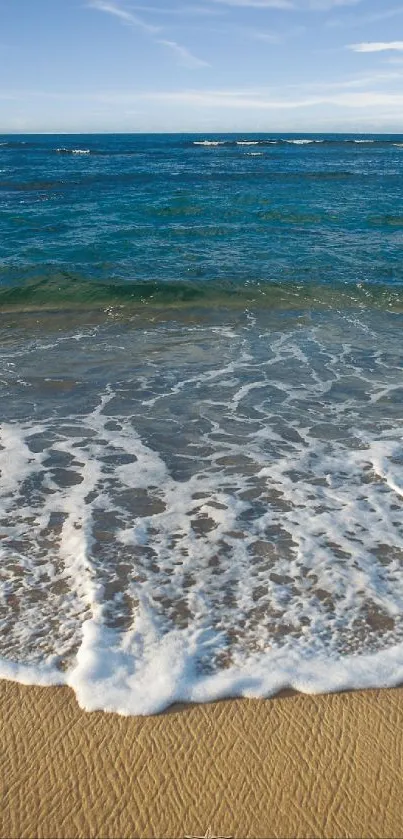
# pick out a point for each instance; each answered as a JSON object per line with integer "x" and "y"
{"x": 298, "y": 766}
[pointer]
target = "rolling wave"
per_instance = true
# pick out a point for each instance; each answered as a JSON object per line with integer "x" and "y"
{"x": 63, "y": 290}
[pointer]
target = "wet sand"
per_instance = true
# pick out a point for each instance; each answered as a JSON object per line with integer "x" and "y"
{"x": 295, "y": 766}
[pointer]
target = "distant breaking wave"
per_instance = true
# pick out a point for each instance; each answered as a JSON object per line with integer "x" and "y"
{"x": 299, "y": 141}
{"x": 73, "y": 151}
{"x": 210, "y": 143}
{"x": 128, "y": 149}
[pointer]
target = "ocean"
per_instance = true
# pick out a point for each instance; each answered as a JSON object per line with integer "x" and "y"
{"x": 201, "y": 387}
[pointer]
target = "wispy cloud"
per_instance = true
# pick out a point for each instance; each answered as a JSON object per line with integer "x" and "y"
{"x": 258, "y": 4}
{"x": 266, "y": 37}
{"x": 123, "y": 15}
{"x": 327, "y": 5}
{"x": 246, "y": 99}
{"x": 182, "y": 11}
{"x": 362, "y": 20}
{"x": 249, "y": 102}
{"x": 253, "y": 109}
{"x": 184, "y": 55}
{"x": 259, "y": 100}
{"x": 270, "y": 36}
{"x": 357, "y": 82}
{"x": 301, "y": 5}
{"x": 377, "y": 46}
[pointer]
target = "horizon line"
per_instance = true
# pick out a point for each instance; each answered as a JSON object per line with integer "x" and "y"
{"x": 216, "y": 132}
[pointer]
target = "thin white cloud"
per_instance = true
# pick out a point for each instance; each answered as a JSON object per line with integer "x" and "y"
{"x": 369, "y": 99}
{"x": 375, "y": 79}
{"x": 261, "y": 109}
{"x": 186, "y": 57}
{"x": 349, "y": 100}
{"x": 377, "y": 46}
{"x": 123, "y": 15}
{"x": 266, "y": 37}
{"x": 258, "y": 4}
{"x": 362, "y": 20}
{"x": 203, "y": 11}
{"x": 270, "y": 36}
{"x": 327, "y": 5}
{"x": 252, "y": 100}
{"x": 303, "y": 5}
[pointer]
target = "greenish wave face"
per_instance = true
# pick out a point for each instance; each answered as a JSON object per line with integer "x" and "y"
{"x": 64, "y": 291}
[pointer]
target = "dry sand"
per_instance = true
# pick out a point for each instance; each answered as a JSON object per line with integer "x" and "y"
{"x": 297, "y": 766}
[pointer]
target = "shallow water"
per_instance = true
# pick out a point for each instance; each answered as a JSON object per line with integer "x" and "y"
{"x": 233, "y": 491}
{"x": 202, "y": 480}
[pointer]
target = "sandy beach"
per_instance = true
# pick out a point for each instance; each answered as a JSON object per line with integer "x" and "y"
{"x": 292, "y": 766}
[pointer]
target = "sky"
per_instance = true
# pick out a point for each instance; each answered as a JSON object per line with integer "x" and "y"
{"x": 206, "y": 66}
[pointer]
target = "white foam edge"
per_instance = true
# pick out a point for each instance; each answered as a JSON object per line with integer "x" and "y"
{"x": 108, "y": 677}
{"x": 45, "y": 674}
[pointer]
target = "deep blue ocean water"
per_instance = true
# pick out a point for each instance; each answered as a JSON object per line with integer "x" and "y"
{"x": 201, "y": 487}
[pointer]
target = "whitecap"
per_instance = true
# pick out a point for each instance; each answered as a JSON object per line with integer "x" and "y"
{"x": 73, "y": 151}
{"x": 300, "y": 142}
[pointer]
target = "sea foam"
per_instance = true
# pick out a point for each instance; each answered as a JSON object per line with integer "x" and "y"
{"x": 220, "y": 517}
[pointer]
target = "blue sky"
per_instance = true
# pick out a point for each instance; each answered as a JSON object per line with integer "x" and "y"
{"x": 201, "y": 65}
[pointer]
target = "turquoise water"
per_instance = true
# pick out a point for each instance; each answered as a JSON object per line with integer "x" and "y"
{"x": 159, "y": 208}
{"x": 201, "y": 384}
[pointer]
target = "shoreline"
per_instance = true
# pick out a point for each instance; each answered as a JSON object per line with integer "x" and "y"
{"x": 294, "y": 765}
